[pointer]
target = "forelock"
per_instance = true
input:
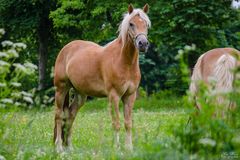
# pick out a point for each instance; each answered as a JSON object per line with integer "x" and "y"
{"x": 123, "y": 28}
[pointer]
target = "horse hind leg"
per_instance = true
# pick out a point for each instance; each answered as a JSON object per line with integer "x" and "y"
{"x": 71, "y": 113}
{"x": 65, "y": 117}
{"x": 60, "y": 98}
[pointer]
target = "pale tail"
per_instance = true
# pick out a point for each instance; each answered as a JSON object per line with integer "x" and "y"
{"x": 223, "y": 73}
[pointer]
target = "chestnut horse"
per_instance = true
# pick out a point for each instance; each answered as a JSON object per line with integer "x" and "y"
{"x": 91, "y": 70}
{"x": 216, "y": 65}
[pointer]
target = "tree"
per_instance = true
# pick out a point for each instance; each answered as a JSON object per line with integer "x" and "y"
{"x": 174, "y": 24}
{"x": 179, "y": 23}
{"x": 28, "y": 21}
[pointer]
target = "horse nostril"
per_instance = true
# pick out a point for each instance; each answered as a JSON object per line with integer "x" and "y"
{"x": 140, "y": 43}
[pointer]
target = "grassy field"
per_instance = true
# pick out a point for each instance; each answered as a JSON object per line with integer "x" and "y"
{"x": 28, "y": 134}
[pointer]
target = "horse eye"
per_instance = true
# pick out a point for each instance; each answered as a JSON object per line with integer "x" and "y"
{"x": 131, "y": 25}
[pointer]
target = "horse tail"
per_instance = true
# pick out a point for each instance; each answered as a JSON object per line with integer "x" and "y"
{"x": 196, "y": 76}
{"x": 223, "y": 73}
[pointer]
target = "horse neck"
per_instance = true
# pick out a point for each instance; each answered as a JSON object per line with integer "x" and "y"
{"x": 129, "y": 53}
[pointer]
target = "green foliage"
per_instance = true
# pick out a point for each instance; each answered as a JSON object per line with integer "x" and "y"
{"x": 13, "y": 74}
{"x": 90, "y": 20}
{"x": 179, "y": 23}
{"x": 27, "y": 21}
{"x": 213, "y": 131}
{"x": 141, "y": 93}
{"x": 183, "y": 71}
{"x": 175, "y": 24}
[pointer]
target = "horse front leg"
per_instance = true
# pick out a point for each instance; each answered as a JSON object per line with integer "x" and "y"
{"x": 114, "y": 112}
{"x": 128, "y": 102}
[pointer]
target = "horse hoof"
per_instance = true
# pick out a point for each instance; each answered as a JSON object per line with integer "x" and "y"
{"x": 59, "y": 149}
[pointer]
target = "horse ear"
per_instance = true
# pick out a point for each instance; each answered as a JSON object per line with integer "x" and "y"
{"x": 130, "y": 8}
{"x": 145, "y": 8}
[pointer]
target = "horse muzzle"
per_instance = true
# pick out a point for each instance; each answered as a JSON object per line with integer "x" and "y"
{"x": 142, "y": 43}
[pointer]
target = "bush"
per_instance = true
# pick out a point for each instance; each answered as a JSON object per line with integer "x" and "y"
{"x": 210, "y": 134}
{"x": 12, "y": 75}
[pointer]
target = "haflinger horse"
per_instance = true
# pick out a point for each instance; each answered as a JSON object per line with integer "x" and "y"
{"x": 91, "y": 70}
{"x": 215, "y": 68}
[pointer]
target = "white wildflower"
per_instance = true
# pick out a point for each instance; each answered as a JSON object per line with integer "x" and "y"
{"x": 187, "y": 48}
{"x": 7, "y": 100}
{"x": 2, "y": 85}
{"x": 7, "y": 43}
{"x": 16, "y": 94}
{"x": 13, "y": 53}
{"x": 180, "y": 51}
{"x": 3, "y": 54}
{"x": 193, "y": 46}
{"x": 4, "y": 63}
{"x": 16, "y": 84}
{"x": 179, "y": 55}
{"x": 17, "y": 103}
{"x": 20, "y": 67}
{"x": 2, "y": 157}
{"x": 26, "y": 94}
{"x": 30, "y": 65}
{"x": 20, "y": 45}
{"x": 28, "y": 99}
{"x": 235, "y": 4}
{"x": 51, "y": 100}
{"x": 2, "y": 31}
{"x": 207, "y": 142}
{"x": 103, "y": 26}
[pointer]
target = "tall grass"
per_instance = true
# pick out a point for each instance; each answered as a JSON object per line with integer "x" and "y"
{"x": 28, "y": 134}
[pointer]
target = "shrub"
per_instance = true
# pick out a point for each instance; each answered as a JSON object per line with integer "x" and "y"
{"x": 208, "y": 134}
{"x": 12, "y": 75}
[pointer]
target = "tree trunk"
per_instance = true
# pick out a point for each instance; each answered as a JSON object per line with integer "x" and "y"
{"x": 43, "y": 36}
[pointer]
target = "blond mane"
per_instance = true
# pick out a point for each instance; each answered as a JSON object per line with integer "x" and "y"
{"x": 123, "y": 28}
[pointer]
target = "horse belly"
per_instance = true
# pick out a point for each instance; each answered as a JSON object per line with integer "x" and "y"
{"x": 84, "y": 72}
{"x": 90, "y": 86}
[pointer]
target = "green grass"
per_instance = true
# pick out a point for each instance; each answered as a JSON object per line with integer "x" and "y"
{"x": 29, "y": 134}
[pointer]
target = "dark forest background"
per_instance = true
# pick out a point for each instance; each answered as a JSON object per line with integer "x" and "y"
{"x": 46, "y": 26}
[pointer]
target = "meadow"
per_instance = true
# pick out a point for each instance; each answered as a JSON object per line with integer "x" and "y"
{"x": 28, "y": 134}
{"x": 165, "y": 126}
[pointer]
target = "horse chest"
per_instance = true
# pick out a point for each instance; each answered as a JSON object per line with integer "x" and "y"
{"x": 128, "y": 84}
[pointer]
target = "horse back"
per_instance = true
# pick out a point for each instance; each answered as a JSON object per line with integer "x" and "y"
{"x": 210, "y": 59}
